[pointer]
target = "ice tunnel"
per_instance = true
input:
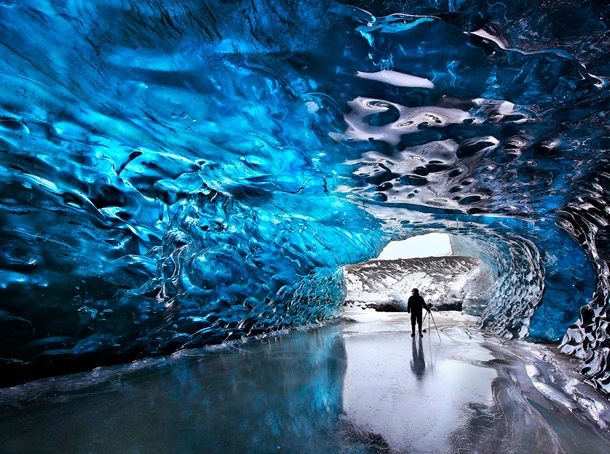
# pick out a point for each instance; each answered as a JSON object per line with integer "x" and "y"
{"x": 181, "y": 173}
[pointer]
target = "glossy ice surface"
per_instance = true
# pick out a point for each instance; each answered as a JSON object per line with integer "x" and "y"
{"x": 182, "y": 173}
{"x": 361, "y": 385}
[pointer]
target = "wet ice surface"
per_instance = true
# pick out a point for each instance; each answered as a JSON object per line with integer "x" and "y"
{"x": 359, "y": 385}
{"x": 460, "y": 390}
{"x": 417, "y": 403}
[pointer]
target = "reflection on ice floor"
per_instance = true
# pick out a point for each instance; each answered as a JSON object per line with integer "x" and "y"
{"x": 357, "y": 386}
{"x": 417, "y": 404}
{"x": 464, "y": 391}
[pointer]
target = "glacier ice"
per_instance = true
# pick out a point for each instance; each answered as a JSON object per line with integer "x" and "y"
{"x": 360, "y": 385}
{"x": 177, "y": 174}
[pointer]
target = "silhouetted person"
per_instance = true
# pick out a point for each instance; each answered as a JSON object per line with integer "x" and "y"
{"x": 418, "y": 362}
{"x": 415, "y": 305}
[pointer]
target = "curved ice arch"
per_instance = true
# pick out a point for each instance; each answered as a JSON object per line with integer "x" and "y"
{"x": 541, "y": 275}
{"x": 113, "y": 165}
{"x": 541, "y": 281}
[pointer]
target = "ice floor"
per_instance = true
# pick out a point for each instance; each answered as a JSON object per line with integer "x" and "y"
{"x": 356, "y": 386}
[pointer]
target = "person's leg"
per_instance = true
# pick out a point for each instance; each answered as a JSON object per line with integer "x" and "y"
{"x": 419, "y": 323}
{"x": 412, "y": 325}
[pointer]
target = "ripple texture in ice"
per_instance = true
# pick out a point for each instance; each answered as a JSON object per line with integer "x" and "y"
{"x": 176, "y": 174}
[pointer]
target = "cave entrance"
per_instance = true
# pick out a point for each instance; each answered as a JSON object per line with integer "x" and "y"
{"x": 447, "y": 280}
{"x": 430, "y": 245}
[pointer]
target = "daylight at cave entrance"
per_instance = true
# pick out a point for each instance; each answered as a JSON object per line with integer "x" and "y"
{"x": 431, "y": 245}
{"x": 181, "y": 175}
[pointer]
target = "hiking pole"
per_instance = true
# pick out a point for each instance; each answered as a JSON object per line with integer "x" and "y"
{"x": 435, "y": 327}
{"x": 423, "y": 323}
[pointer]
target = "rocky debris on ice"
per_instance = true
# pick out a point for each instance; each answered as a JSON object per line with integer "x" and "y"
{"x": 448, "y": 283}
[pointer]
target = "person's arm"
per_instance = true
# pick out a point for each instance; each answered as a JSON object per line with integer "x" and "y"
{"x": 409, "y": 305}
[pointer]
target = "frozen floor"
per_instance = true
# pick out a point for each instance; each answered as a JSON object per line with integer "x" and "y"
{"x": 356, "y": 386}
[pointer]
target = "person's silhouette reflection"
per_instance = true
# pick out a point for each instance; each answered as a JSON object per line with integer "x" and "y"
{"x": 418, "y": 362}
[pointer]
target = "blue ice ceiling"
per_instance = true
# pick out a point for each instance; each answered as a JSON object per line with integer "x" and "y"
{"x": 176, "y": 174}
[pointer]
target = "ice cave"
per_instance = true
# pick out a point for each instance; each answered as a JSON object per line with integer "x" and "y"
{"x": 180, "y": 175}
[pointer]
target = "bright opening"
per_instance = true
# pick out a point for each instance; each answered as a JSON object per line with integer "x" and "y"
{"x": 447, "y": 278}
{"x": 431, "y": 245}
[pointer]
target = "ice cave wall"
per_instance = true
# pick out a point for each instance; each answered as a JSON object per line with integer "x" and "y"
{"x": 182, "y": 173}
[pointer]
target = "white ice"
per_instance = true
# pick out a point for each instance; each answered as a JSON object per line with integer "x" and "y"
{"x": 397, "y": 79}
